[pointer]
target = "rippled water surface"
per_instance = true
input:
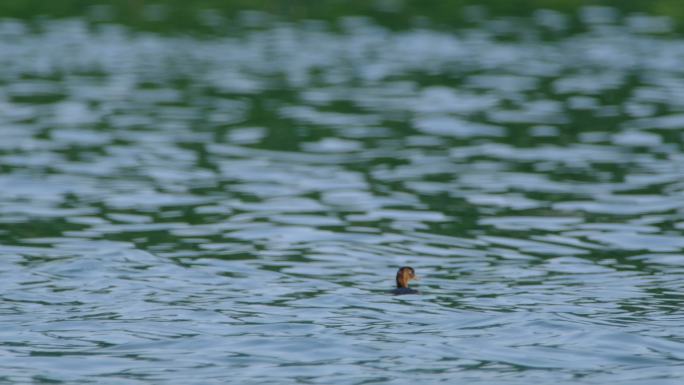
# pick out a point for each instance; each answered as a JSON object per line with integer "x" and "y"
{"x": 199, "y": 210}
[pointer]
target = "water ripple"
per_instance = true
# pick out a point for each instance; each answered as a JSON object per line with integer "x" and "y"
{"x": 178, "y": 209}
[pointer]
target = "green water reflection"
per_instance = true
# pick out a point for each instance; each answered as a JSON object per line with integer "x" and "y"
{"x": 206, "y": 15}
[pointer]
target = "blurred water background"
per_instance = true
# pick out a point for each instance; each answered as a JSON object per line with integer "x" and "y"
{"x": 210, "y": 194}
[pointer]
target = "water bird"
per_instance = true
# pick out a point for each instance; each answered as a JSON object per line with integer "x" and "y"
{"x": 404, "y": 275}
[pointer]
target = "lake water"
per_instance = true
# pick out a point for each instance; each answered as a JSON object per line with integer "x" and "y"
{"x": 180, "y": 209}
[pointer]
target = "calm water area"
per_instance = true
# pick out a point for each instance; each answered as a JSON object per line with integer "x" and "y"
{"x": 232, "y": 208}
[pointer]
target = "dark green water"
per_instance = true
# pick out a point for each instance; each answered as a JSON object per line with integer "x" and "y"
{"x": 232, "y": 209}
